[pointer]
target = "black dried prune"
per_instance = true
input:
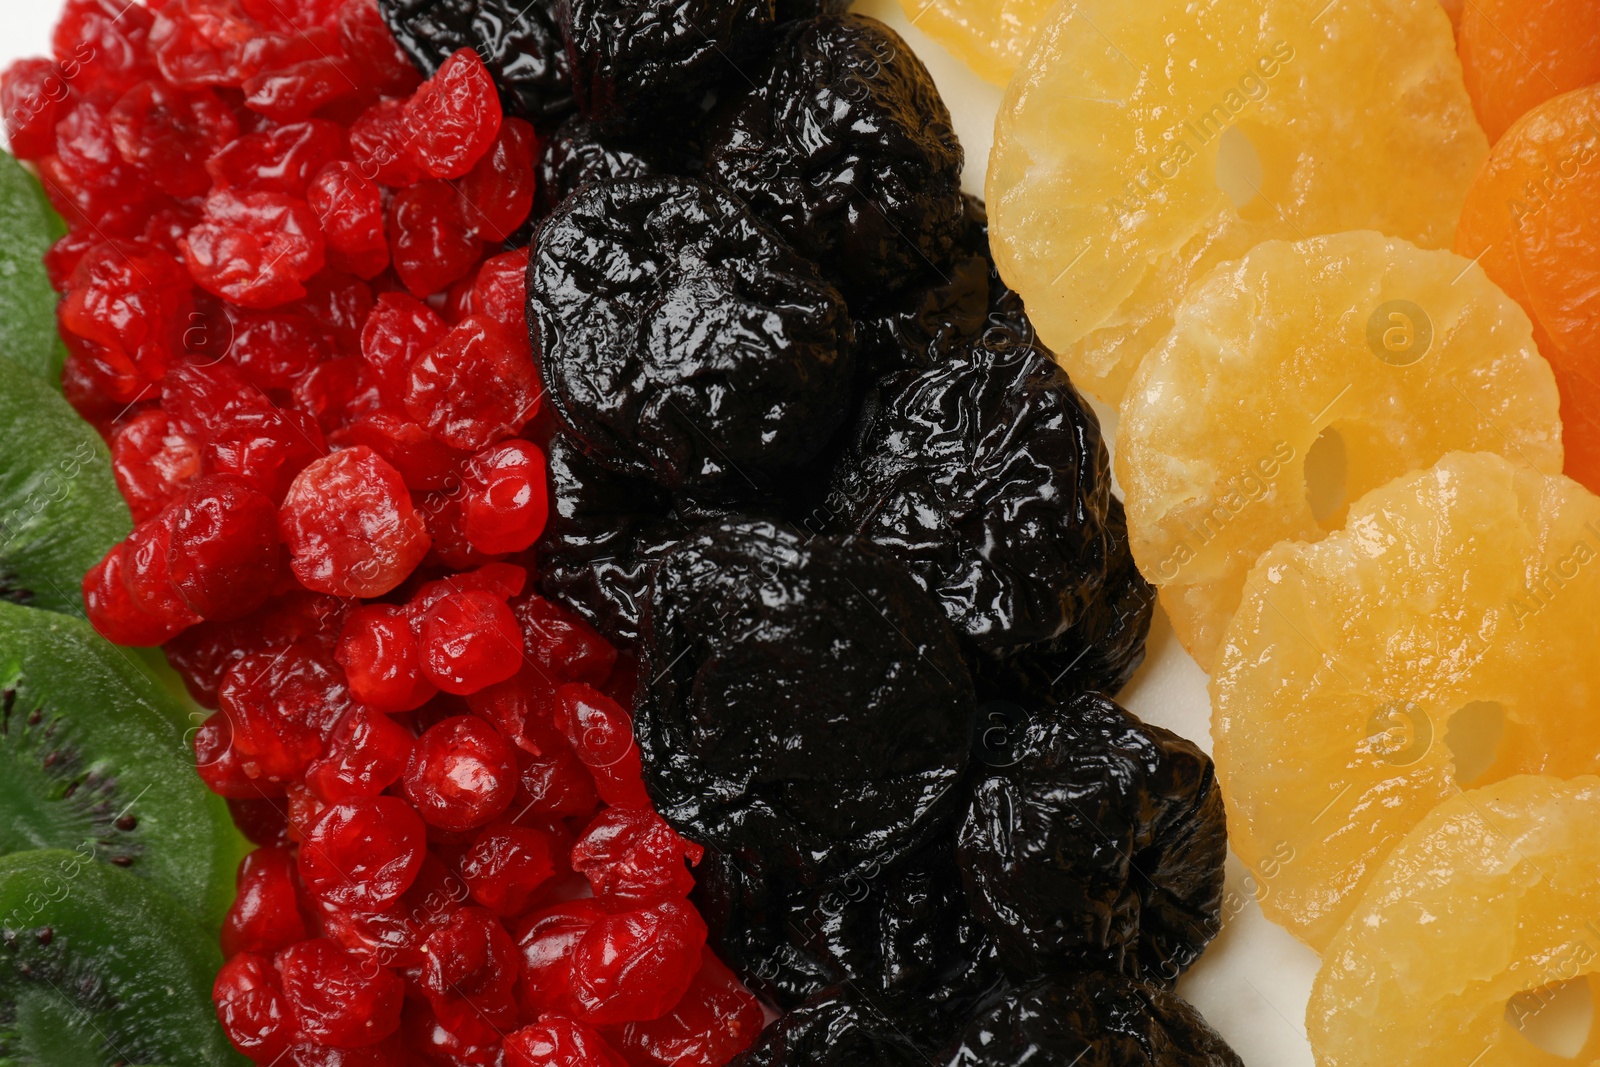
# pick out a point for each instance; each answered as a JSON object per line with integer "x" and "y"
{"x": 518, "y": 40}
{"x": 681, "y": 339}
{"x": 1099, "y": 844}
{"x": 987, "y": 476}
{"x": 847, "y": 149}
{"x": 833, "y": 1029}
{"x": 577, "y": 153}
{"x": 1093, "y": 1020}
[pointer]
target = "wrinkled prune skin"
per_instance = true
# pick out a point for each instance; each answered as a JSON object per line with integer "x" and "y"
{"x": 1098, "y": 845}
{"x": 1092, "y": 1020}
{"x": 639, "y": 61}
{"x": 833, "y": 1029}
{"x": 846, "y": 147}
{"x": 988, "y": 478}
{"x": 682, "y": 340}
{"x": 518, "y": 40}
{"x": 577, "y": 153}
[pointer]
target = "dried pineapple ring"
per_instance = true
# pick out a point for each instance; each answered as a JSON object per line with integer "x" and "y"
{"x": 1296, "y": 338}
{"x": 1103, "y": 186}
{"x": 990, "y": 36}
{"x": 1471, "y": 587}
{"x": 1492, "y": 895}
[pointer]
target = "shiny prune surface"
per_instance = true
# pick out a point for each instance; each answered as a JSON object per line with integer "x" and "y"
{"x": 846, "y": 147}
{"x": 1093, "y": 840}
{"x": 834, "y": 1029}
{"x": 518, "y": 40}
{"x": 579, "y": 153}
{"x": 1092, "y": 1020}
{"x": 681, "y": 339}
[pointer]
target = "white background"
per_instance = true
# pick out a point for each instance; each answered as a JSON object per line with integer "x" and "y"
{"x": 1253, "y": 983}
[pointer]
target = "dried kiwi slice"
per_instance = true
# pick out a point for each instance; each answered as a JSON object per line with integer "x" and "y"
{"x": 98, "y": 968}
{"x": 59, "y": 506}
{"x": 93, "y": 754}
{"x": 28, "y": 227}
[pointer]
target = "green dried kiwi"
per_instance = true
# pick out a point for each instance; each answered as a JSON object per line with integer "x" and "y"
{"x": 94, "y": 751}
{"x": 99, "y": 968}
{"x": 28, "y": 227}
{"x": 60, "y": 510}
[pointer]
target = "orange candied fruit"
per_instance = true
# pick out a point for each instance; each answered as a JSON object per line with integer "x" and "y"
{"x": 1516, "y": 54}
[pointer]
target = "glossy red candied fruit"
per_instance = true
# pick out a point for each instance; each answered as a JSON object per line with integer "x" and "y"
{"x": 169, "y": 133}
{"x": 500, "y": 290}
{"x": 561, "y": 644}
{"x": 507, "y": 865}
{"x": 338, "y": 999}
{"x": 250, "y": 1003}
{"x": 295, "y": 90}
{"x": 375, "y": 59}
{"x": 363, "y": 853}
{"x": 601, "y": 733}
{"x": 637, "y": 964}
{"x": 502, "y": 580}
{"x": 499, "y": 189}
{"x": 504, "y": 498}
{"x": 632, "y": 858}
{"x": 133, "y": 302}
{"x": 254, "y": 249}
{"x": 471, "y": 971}
{"x": 272, "y": 348}
{"x": 476, "y": 386}
{"x": 367, "y": 752}
{"x": 453, "y": 117}
{"x": 31, "y": 94}
{"x": 423, "y": 462}
{"x": 547, "y": 940}
{"x": 263, "y": 821}
{"x": 470, "y": 640}
{"x": 717, "y": 1019}
{"x": 379, "y": 140}
{"x": 147, "y": 571}
{"x": 558, "y": 1042}
{"x": 462, "y": 774}
{"x": 264, "y": 446}
{"x": 265, "y": 915}
{"x": 279, "y": 159}
{"x": 335, "y": 392}
{"x": 280, "y": 704}
{"x": 399, "y": 329}
{"x": 350, "y": 208}
{"x": 224, "y": 555}
{"x": 382, "y": 658}
{"x": 103, "y": 44}
{"x": 350, "y": 525}
{"x": 431, "y": 242}
{"x": 220, "y": 767}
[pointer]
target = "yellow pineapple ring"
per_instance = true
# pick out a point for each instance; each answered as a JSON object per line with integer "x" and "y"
{"x": 990, "y": 36}
{"x": 1103, "y": 184}
{"x": 1490, "y": 901}
{"x": 1404, "y": 354}
{"x": 1366, "y": 673}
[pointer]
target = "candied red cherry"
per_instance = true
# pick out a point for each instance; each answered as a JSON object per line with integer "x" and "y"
{"x": 431, "y": 243}
{"x": 251, "y": 1007}
{"x": 170, "y": 133}
{"x": 462, "y": 774}
{"x": 522, "y": 708}
{"x": 504, "y": 498}
{"x": 152, "y": 461}
{"x": 637, "y": 964}
{"x": 375, "y": 58}
{"x": 103, "y": 44}
{"x": 471, "y": 970}
{"x": 224, "y": 556}
{"x": 399, "y": 329}
{"x": 263, "y": 821}
{"x": 507, "y": 865}
{"x": 562, "y": 644}
{"x": 188, "y": 57}
{"x": 254, "y": 249}
{"x": 476, "y": 386}
{"x": 479, "y": 1046}
{"x": 350, "y": 207}
{"x": 205, "y": 400}
{"x": 547, "y": 940}
{"x": 363, "y": 853}
{"x": 350, "y": 525}
{"x": 499, "y": 190}
{"x": 133, "y": 301}
{"x": 632, "y": 857}
{"x": 378, "y": 145}
{"x": 556, "y": 785}
{"x": 297, "y": 90}
{"x": 336, "y": 392}
{"x": 423, "y": 462}
{"x": 500, "y": 290}
{"x": 272, "y": 348}
{"x": 454, "y": 117}
{"x": 280, "y": 704}
{"x": 265, "y": 447}
{"x": 502, "y": 580}
{"x": 446, "y": 525}
{"x": 383, "y": 660}
{"x": 148, "y": 573}
{"x": 601, "y": 733}
{"x": 366, "y": 754}
{"x": 717, "y": 1019}
{"x": 279, "y": 159}
{"x": 557, "y": 1042}
{"x": 265, "y": 915}
{"x": 31, "y": 94}
{"x": 340, "y": 304}
{"x": 337, "y": 999}
{"x": 219, "y": 766}
{"x": 470, "y": 640}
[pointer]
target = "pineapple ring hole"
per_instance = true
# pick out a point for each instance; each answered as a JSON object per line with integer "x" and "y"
{"x": 1327, "y": 472}
{"x": 1556, "y": 1018}
{"x": 1473, "y": 735}
{"x": 1239, "y": 171}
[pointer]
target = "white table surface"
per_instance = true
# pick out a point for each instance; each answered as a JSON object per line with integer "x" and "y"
{"x": 1252, "y": 984}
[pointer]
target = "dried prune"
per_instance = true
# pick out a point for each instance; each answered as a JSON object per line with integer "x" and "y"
{"x": 681, "y": 339}
{"x": 1095, "y": 841}
{"x": 833, "y": 1029}
{"x": 518, "y": 40}
{"x": 987, "y": 476}
{"x": 847, "y": 149}
{"x": 579, "y": 153}
{"x": 1093, "y": 1020}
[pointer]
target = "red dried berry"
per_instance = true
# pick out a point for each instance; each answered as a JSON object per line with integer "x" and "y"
{"x": 503, "y": 580}
{"x": 147, "y": 572}
{"x": 383, "y": 659}
{"x": 379, "y": 145}
{"x": 171, "y": 132}
{"x": 296, "y": 91}
{"x": 522, "y": 708}
{"x": 471, "y": 971}
{"x": 563, "y": 645}
{"x": 717, "y": 1019}
{"x": 281, "y": 704}
{"x": 254, "y": 249}
{"x": 350, "y": 207}
{"x": 363, "y": 853}
{"x": 547, "y": 941}
{"x": 637, "y": 964}
{"x": 31, "y": 94}
{"x": 556, "y": 785}
{"x": 470, "y": 640}
{"x": 337, "y": 999}
{"x": 447, "y": 524}
{"x": 265, "y": 915}
{"x": 103, "y": 44}
{"x": 504, "y": 498}
{"x": 335, "y": 391}
{"x": 507, "y": 865}
{"x": 280, "y": 159}
{"x": 500, "y": 290}
{"x": 219, "y": 766}
{"x": 152, "y": 461}
{"x": 454, "y": 117}
{"x": 186, "y": 56}
{"x": 273, "y": 348}
{"x": 439, "y": 1045}
{"x": 423, "y": 462}
{"x": 431, "y": 242}
{"x": 132, "y": 301}
{"x": 350, "y": 525}
{"x": 251, "y": 1007}
{"x": 366, "y": 754}
{"x": 632, "y": 858}
{"x": 264, "y": 446}
{"x": 476, "y": 386}
{"x": 263, "y": 821}
{"x": 601, "y": 733}
{"x": 224, "y": 556}
{"x": 557, "y": 1042}
{"x": 499, "y": 190}
{"x": 340, "y": 304}
{"x": 375, "y": 58}
{"x": 399, "y": 329}
{"x": 462, "y": 774}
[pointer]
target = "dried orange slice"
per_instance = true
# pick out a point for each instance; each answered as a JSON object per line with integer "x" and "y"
{"x": 990, "y": 36}
{"x": 1118, "y": 133}
{"x": 1355, "y": 347}
{"x": 1466, "y": 934}
{"x": 1516, "y": 54}
{"x": 1444, "y": 638}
